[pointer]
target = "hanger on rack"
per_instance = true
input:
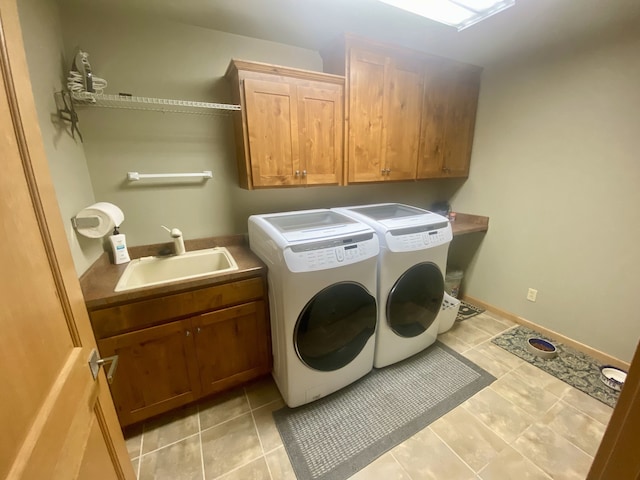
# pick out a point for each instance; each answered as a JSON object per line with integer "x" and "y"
{"x": 67, "y": 112}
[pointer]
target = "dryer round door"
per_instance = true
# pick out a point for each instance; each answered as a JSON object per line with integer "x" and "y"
{"x": 335, "y": 326}
{"x": 415, "y": 300}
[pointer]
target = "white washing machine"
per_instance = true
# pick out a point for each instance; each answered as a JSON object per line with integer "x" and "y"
{"x": 322, "y": 286}
{"x": 414, "y": 244}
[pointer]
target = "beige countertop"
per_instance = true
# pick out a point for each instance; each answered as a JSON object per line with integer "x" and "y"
{"x": 99, "y": 281}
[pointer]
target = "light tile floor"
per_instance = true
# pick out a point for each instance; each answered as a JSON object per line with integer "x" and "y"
{"x": 526, "y": 425}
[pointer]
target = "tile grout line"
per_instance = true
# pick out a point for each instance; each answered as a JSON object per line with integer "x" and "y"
{"x": 452, "y": 450}
{"x": 583, "y": 412}
{"x": 239, "y": 467}
{"x": 227, "y": 420}
{"x": 204, "y": 476}
{"x": 400, "y": 464}
{"x": 170, "y": 444}
{"x": 255, "y": 425}
{"x": 559, "y": 434}
{"x": 141, "y": 450}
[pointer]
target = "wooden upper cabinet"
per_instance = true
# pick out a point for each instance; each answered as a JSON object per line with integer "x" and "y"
{"x": 271, "y": 128}
{"x": 384, "y": 116}
{"x": 448, "y": 121}
{"x": 410, "y": 115}
{"x": 365, "y": 117}
{"x": 405, "y": 84}
{"x": 290, "y": 129}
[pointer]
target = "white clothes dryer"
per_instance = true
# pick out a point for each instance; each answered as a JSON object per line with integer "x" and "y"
{"x": 322, "y": 286}
{"x": 414, "y": 244}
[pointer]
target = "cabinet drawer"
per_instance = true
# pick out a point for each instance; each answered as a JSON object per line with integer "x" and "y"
{"x": 112, "y": 321}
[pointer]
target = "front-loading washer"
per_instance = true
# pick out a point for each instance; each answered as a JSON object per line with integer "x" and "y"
{"x": 322, "y": 299}
{"x": 414, "y": 244}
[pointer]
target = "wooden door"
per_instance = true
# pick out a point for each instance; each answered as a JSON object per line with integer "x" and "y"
{"x": 366, "y": 74}
{"x": 58, "y": 422}
{"x": 158, "y": 370}
{"x": 232, "y": 346}
{"x": 272, "y": 129}
{"x": 403, "y": 113}
{"x": 617, "y": 456}
{"x": 320, "y": 118}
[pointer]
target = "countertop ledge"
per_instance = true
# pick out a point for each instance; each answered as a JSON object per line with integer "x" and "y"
{"x": 467, "y": 223}
{"x": 99, "y": 281}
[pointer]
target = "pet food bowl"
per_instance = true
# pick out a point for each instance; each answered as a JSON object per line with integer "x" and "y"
{"x": 541, "y": 348}
{"x": 613, "y": 377}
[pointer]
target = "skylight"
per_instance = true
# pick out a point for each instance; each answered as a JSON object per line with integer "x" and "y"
{"x": 457, "y": 13}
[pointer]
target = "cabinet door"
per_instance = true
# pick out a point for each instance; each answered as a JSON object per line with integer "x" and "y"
{"x": 156, "y": 370}
{"x": 272, "y": 128}
{"x": 232, "y": 346}
{"x": 321, "y": 118}
{"x": 403, "y": 113}
{"x": 434, "y": 121}
{"x": 365, "y": 118}
{"x": 461, "y": 119}
{"x": 449, "y": 113}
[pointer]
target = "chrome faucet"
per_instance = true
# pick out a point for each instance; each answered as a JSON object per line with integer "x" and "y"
{"x": 178, "y": 241}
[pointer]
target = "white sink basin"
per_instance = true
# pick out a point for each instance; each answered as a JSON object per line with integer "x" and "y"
{"x": 148, "y": 271}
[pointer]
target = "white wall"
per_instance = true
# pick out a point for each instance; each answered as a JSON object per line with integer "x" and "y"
{"x": 555, "y": 165}
{"x": 157, "y": 58}
{"x": 42, "y": 35}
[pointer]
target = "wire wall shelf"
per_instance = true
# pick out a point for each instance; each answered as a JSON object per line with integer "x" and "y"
{"x": 151, "y": 104}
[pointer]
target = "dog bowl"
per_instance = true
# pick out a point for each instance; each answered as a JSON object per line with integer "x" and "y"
{"x": 613, "y": 377}
{"x": 541, "y": 348}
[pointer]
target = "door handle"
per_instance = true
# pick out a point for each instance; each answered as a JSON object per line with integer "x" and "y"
{"x": 95, "y": 362}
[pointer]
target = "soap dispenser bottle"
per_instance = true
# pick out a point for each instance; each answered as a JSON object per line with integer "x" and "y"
{"x": 119, "y": 246}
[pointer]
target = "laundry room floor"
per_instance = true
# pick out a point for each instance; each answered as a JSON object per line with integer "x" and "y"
{"x": 527, "y": 424}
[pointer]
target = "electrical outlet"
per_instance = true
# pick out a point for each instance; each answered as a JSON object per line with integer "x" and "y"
{"x": 532, "y": 294}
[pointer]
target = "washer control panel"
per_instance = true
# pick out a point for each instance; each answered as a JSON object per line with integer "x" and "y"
{"x": 420, "y": 238}
{"x": 331, "y": 254}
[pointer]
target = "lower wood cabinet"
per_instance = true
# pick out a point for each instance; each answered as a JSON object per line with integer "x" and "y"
{"x": 157, "y": 370}
{"x": 230, "y": 346}
{"x": 161, "y": 367}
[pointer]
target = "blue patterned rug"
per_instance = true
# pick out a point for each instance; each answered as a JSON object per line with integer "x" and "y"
{"x": 571, "y": 366}
{"x": 467, "y": 310}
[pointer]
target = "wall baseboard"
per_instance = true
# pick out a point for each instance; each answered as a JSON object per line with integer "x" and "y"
{"x": 581, "y": 347}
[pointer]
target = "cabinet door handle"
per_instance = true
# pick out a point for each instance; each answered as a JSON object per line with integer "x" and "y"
{"x": 383, "y": 171}
{"x": 187, "y": 333}
{"x": 95, "y": 362}
{"x": 304, "y": 173}
{"x": 297, "y": 173}
{"x": 388, "y": 171}
{"x": 197, "y": 329}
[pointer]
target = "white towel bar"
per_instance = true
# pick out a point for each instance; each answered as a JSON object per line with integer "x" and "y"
{"x": 134, "y": 176}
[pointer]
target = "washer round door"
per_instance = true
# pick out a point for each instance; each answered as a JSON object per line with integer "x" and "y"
{"x": 415, "y": 300}
{"x": 335, "y": 326}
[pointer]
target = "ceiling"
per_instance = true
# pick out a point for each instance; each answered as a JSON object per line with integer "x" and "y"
{"x": 528, "y": 27}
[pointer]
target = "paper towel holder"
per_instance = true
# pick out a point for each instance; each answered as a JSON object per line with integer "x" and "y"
{"x": 85, "y": 222}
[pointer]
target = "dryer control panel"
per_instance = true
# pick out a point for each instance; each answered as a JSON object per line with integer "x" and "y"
{"x": 418, "y": 238}
{"x": 331, "y": 253}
